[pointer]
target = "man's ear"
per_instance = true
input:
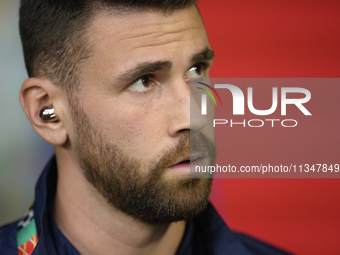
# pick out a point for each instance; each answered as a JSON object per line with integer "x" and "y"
{"x": 37, "y": 94}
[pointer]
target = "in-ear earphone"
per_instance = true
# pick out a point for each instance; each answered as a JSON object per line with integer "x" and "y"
{"x": 47, "y": 114}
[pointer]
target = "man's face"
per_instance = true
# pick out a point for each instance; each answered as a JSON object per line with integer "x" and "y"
{"x": 132, "y": 114}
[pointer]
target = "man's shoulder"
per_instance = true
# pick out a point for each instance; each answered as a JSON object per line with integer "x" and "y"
{"x": 8, "y": 240}
{"x": 258, "y": 247}
{"x": 214, "y": 233}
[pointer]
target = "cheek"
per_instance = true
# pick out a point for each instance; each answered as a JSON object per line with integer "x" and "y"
{"x": 134, "y": 131}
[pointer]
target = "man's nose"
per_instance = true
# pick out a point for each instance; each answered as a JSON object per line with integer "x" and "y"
{"x": 186, "y": 112}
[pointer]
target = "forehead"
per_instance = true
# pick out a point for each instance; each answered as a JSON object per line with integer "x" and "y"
{"x": 154, "y": 25}
{"x": 129, "y": 36}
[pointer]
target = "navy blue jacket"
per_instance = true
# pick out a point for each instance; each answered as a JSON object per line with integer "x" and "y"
{"x": 206, "y": 234}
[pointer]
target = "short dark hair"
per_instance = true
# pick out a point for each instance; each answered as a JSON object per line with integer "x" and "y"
{"x": 54, "y": 32}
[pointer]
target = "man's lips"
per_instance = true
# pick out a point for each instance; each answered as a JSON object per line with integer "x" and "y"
{"x": 190, "y": 159}
{"x": 183, "y": 166}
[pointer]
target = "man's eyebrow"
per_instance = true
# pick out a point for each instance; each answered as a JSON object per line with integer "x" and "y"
{"x": 150, "y": 67}
{"x": 144, "y": 68}
{"x": 205, "y": 55}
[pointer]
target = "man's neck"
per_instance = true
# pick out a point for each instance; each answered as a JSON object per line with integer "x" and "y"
{"x": 95, "y": 227}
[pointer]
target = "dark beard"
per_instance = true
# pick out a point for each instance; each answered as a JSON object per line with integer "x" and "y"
{"x": 137, "y": 188}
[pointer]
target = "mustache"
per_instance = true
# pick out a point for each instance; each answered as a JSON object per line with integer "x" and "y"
{"x": 187, "y": 145}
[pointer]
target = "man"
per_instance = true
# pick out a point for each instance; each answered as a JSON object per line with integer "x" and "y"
{"x": 109, "y": 88}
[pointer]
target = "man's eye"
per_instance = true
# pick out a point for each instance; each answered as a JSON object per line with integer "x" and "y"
{"x": 142, "y": 83}
{"x": 195, "y": 71}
